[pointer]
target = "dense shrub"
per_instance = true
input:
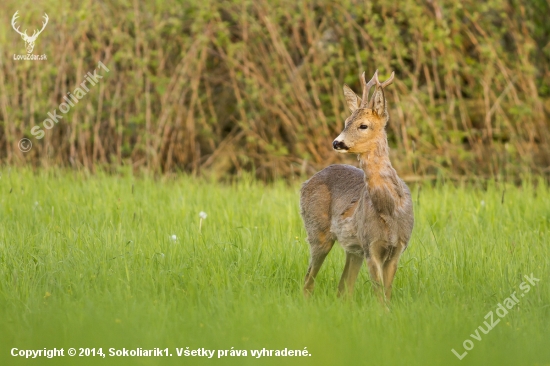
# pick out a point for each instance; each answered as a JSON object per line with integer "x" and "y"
{"x": 231, "y": 86}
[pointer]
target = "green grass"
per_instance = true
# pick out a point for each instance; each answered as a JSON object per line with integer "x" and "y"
{"x": 87, "y": 261}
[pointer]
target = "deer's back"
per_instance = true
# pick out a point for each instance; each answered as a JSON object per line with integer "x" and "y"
{"x": 330, "y": 192}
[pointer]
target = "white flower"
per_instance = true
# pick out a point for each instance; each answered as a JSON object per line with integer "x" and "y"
{"x": 173, "y": 238}
{"x": 482, "y": 203}
{"x": 202, "y": 215}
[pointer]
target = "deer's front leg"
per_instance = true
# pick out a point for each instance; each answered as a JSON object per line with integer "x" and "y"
{"x": 375, "y": 260}
{"x": 390, "y": 267}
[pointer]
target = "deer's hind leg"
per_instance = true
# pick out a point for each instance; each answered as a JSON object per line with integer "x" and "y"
{"x": 349, "y": 276}
{"x": 320, "y": 244}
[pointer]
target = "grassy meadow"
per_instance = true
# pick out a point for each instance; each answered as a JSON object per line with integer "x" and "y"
{"x": 90, "y": 261}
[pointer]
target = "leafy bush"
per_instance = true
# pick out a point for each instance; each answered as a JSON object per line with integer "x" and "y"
{"x": 231, "y": 86}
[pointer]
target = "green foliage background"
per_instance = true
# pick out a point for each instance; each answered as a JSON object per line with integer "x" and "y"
{"x": 230, "y": 86}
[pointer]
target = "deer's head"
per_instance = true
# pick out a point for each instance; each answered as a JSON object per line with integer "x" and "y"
{"x": 29, "y": 40}
{"x": 366, "y": 124}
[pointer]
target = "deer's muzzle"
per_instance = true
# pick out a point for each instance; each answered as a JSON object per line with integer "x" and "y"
{"x": 339, "y": 146}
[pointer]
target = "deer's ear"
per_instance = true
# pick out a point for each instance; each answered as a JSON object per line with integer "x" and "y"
{"x": 379, "y": 102}
{"x": 353, "y": 101}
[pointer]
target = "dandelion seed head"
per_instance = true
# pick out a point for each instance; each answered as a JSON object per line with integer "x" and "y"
{"x": 173, "y": 237}
{"x": 202, "y": 215}
{"x": 482, "y": 203}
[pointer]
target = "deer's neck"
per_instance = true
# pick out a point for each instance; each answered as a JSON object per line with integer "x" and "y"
{"x": 383, "y": 185}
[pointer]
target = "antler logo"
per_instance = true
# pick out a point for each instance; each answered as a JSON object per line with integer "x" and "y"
{"x": 29, "y": 41}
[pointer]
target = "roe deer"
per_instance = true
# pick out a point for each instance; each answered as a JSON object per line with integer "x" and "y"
{"x": 368, "y": 210}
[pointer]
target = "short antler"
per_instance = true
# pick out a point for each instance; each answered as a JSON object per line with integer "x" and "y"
{"x": 385, "y": 83}
{"x": 367, "y": 86}
{"x": 380, "y": 86}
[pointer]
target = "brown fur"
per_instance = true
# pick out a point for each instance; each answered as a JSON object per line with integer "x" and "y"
{"x": 349, "y": 211}
{"x": 368, "y": 210}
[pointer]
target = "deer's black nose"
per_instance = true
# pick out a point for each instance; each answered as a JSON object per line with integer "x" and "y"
{"x": 339, "y": 145}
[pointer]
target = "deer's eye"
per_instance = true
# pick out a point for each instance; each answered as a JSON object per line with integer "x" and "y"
{"x": 363, "y": 127}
